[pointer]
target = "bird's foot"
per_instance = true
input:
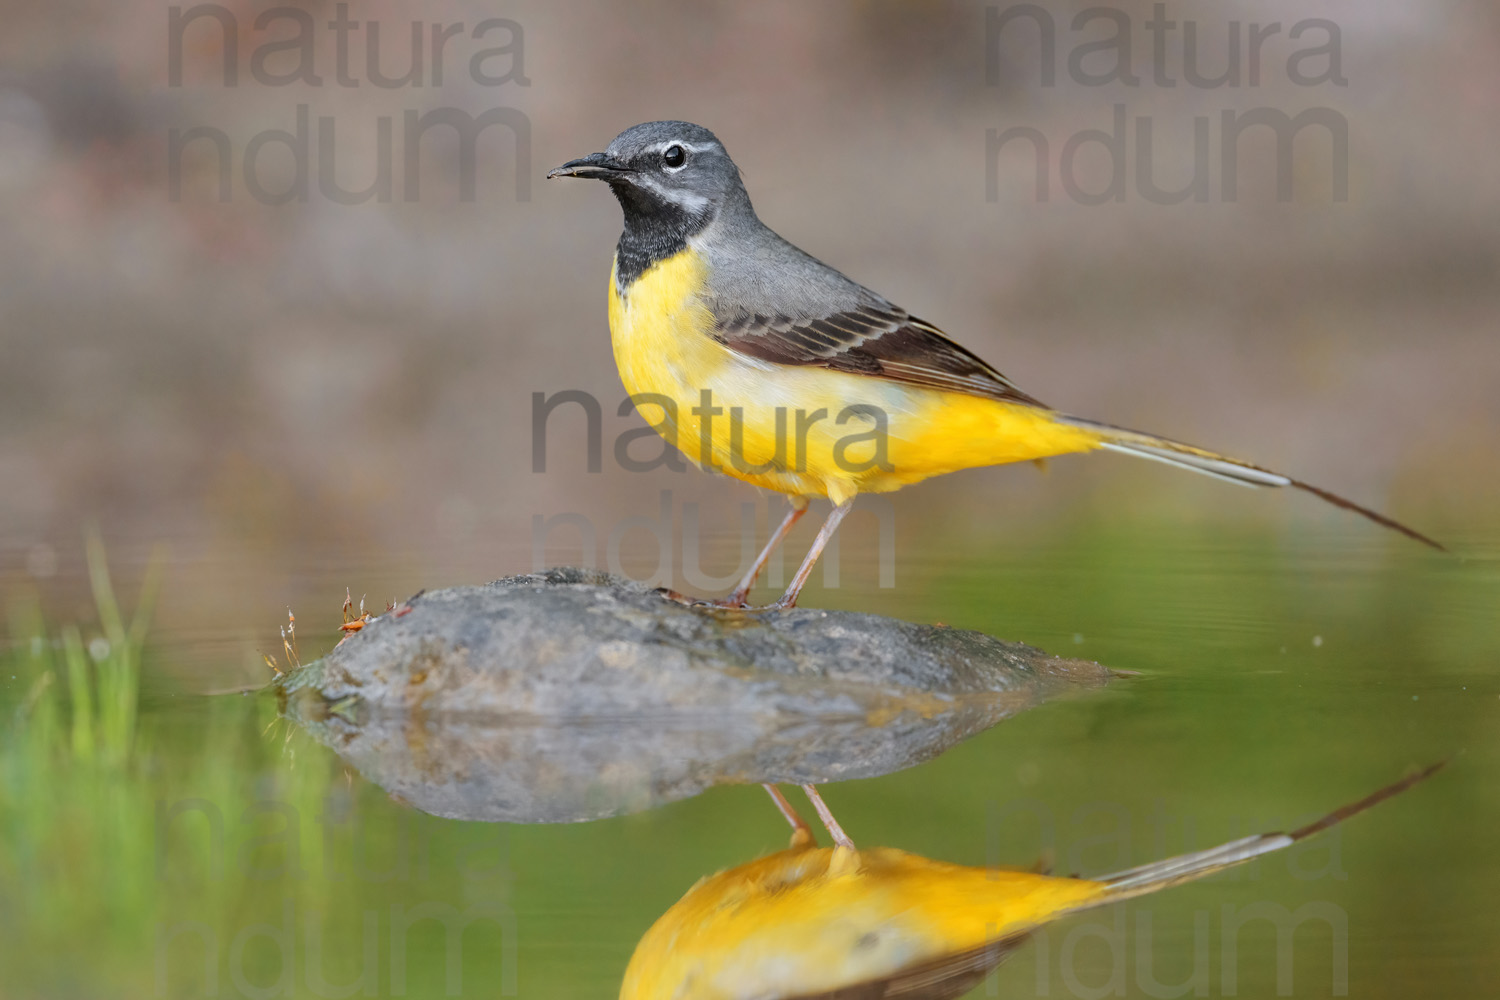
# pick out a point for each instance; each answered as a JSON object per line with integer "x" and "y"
{"x": 733, "y": 602}
{"x": 677, "y": 597}
{"x": 780, "y": 604}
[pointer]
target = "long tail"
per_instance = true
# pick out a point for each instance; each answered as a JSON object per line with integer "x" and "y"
{"x": 1187, "y": 867}
{"x": 1186, "y": 456}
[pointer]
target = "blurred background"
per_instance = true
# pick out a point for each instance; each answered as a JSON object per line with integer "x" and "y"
{"x": 301, "y": 397}
{"x": 284, "y": 400}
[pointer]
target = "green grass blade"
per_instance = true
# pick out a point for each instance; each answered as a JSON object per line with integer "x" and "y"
{"x": 80, "y": 693}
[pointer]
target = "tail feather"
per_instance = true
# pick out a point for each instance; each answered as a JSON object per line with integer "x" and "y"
{"x": 1186, "y": 456}
{"x": 1188, "y": 867}
{"x": 1220, "y": 468}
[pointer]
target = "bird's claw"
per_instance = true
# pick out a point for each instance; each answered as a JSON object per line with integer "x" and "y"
{"x": 734, "y": 602}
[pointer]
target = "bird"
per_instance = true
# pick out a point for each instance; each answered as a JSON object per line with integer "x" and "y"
{"x": 758, "y": 360}
{"x": 864, "y": 924}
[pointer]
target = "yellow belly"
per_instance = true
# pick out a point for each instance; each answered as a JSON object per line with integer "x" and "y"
{"x": 802, "y": 430}
{"x": 798, "y": 922}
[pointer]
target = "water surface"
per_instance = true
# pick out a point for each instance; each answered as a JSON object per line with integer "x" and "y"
{"x": 231, "y": 854}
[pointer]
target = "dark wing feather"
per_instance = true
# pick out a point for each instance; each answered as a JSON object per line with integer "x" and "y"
{"x": 880, "y": 341}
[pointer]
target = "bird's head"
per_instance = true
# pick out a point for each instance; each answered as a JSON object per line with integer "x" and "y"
{"x": 664, "y": 170}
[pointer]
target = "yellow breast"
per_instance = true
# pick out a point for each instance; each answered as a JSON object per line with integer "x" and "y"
{"x": 801, "y": 429}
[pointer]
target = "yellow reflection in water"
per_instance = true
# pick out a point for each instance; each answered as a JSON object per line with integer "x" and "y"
{"x": 815, "y": 921}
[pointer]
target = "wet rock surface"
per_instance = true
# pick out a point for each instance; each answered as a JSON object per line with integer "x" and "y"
{"x": 572, "y": 694}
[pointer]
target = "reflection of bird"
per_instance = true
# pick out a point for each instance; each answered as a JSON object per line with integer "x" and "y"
{"x": 760, "y": 361}
{"x": 836, "y": 921}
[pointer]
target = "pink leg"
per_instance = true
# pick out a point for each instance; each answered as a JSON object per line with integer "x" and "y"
{"x": 737, "y": 598}
{"x": 802, "y": 835}
{"x": 826, "y": 815}
{"x": 789, "y": 599}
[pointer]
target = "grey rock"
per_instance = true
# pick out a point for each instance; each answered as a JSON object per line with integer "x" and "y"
{"x": 572, "y": 694}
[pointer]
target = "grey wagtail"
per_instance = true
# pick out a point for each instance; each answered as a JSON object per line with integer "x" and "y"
{"x": 820, "y": 386}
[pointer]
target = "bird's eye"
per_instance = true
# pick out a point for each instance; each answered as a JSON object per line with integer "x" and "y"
{"x": 674, "y": 156}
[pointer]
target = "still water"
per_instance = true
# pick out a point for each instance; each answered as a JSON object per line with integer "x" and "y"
{"x": 207, "y": 846}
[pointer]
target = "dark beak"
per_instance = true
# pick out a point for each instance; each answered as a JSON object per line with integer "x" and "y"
{"x": 598, "y": 165}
